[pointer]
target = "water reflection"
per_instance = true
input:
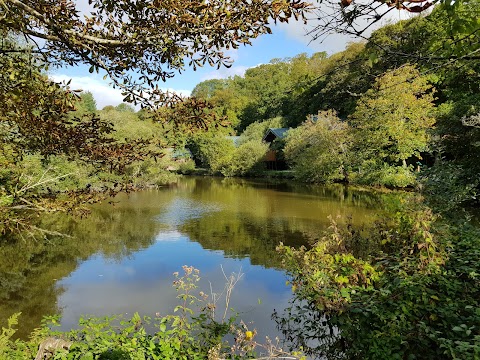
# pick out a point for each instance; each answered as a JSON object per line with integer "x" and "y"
{"x": 120, "y": 258}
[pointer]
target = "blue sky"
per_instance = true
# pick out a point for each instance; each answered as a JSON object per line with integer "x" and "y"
{"x": 287, "y": 40}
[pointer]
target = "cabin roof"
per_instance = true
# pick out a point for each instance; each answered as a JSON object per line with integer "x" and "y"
{"x": 278, "y": 133}
{"x": 234, "y": 139}
{"x": 181, "y": 153}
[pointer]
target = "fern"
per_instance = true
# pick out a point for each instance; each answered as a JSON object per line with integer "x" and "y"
{"x": 8, "y": 332}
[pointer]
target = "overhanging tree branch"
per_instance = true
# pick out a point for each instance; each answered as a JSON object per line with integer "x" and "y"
{"x": 151, "y": 39}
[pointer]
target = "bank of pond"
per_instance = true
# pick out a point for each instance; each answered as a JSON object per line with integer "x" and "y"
{"x": 199, "y": 233}
{"x": 120, "y": 258}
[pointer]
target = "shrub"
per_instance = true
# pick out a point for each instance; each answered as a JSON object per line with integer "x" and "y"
{"x": 449, "y": 186}
{"x": 371, "y": 172}
{"x": 414, "y": 294}
{"x": 317, "y": 151}
{"x": 186, "y": 167}
{"x": 247, "y": 159}
{"x": 212, "y": 152}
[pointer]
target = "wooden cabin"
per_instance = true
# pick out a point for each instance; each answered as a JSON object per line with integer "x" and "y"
{"x": 272, "y": 159}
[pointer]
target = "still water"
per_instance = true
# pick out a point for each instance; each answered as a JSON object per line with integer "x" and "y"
{"x": 120, "y": 259}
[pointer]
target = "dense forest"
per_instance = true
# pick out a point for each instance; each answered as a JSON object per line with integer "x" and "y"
{"x": 400, "y": 109}
{"x": 405, "y": 100}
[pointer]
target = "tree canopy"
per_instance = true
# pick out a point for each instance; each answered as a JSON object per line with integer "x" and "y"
{"x": 138, "y": 43}
{"x": 392, "y": 118}
{"x": 356, "y": 17}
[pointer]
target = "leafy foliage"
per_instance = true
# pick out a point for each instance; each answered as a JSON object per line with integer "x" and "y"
{"x": 247, "y": 159}
{"x": 413, "y": 294}
{"x": 54, "y": 155}
{"x": 212, "y": 151}
{"x": 193, "y": 332}
{"x": 391, "y": 121}
{"x": 153, "y": 40}
{"x": 221, "y": 156}
{"x": 317, "y": 150}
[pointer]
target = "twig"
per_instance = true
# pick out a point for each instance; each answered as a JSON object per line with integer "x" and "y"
{"x": 229, "y": 285}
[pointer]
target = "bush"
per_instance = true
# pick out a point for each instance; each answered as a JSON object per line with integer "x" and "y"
{"x": 449, "y": 186}
{"x": 212, "y": 152}
{"x": 186, "y": 167}
{"x": 373, "y": 173}
{"x": 247, "y": 159}
{"x": 317, "y": 151}
{"x": 414, "y": 294}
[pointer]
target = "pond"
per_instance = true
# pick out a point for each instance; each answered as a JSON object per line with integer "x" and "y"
{"x": 120, "y": 259}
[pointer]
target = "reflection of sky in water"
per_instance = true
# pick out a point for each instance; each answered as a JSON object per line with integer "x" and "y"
{"x": 143, "y": 283}
{"x": 132, "y": 249}
{"x": 244, "y": 221}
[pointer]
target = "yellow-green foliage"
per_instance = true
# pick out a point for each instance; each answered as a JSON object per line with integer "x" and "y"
{"x": 127, "y": 125}
{"x": 405, "y": 287}
{"x": 220, "y": 156}
{"x": 7, "y": 333}
{"x": 392, "y": 120}
{"x": 373, "y": 173}
{"x": 317, "y": 151}
{"x": 246, "y": 159}
{"x": 211, "y": 151}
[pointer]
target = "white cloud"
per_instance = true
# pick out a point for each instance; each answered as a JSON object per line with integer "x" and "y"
{"x": 103, "y": 93}
{"x": 224, "y": 73}
{"x": 169, "y": 236}
{"x": 334, "y": 42}
{"x": 183, "y": 92}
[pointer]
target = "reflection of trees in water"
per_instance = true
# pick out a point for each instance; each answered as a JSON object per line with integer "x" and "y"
{"x": 243, "y": 218}
{"x": 254, "y": 216}
{"x": 304, "y": 327}
{"x": 354, "y": 196}
{"x": 243, "y": 236}
{"x": 29, "y": 270}
{"x": 366, "y": 198}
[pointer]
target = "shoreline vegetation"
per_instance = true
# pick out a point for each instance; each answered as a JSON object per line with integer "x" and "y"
{"x": 196, "y": 330}
{"x": 400, "y": 110}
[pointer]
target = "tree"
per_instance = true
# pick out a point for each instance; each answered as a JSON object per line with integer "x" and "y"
{"x": 247, "y": 159}
{"x": 211, "y": 151}
{"x": 207, "y": 89}
{"x": 45, "y": 138}
{"x": 338, "y": 79}
{"x": 317, "y": 150}
{"x": 138, "y": 43}
{"x": 125, "y": 108}
{"x": 86, "y": 104}
{"x": 392, "y": 119}
{"x": 225, "y": 96}
{"x": 33, "y": 115}
{"x": 356, "y": 17}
